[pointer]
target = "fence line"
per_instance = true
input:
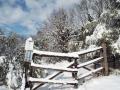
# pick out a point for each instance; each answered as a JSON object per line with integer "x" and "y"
{"x": 73, "y": 67}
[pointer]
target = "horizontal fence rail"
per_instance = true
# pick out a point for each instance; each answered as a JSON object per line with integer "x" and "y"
{"x": 53, "y": 68}
{"x": 90, "y": 62}
{"x": 89, "y": 73}
{"x": 41, "y": 80}
{"x": 55, "y": 54}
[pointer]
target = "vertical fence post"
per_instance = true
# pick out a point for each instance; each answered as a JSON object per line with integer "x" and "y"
{"x": 105, "y": 62}
{"x": 28, "y": 58}
{"x": 74, "y": 74}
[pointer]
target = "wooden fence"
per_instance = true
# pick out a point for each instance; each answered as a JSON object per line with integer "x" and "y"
{"x": 73, "y": 66}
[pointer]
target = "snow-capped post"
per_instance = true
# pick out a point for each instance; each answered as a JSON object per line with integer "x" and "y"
{"x": 28, "y": 59}
{"x": 29, "y": 49}
{"x": 105, "y": 62}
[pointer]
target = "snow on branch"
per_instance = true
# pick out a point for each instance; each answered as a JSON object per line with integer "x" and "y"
{"x": 87, "y": 51}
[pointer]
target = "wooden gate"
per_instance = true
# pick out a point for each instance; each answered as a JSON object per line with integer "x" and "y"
{"x": 73, "y": 66}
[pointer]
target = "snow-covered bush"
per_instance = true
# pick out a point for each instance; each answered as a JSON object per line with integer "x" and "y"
{"x": 13, "y": 78}
{"x": 2, "y": 70}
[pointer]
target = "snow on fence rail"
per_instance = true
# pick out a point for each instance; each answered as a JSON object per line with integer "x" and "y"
{"x": 73, "y": 67}
{"x": 41, "y": 80}
{"x": 53, "y": 68}
{"x": 55, "y": 54}
{"x": 90, "y": 62}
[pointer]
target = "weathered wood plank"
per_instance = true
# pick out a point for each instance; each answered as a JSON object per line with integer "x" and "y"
{"x": 105, "y": 62}
{"x": 55, "y": 54}
{"x": 54, "y": 68}
{"x": 89, "y": 62}
{"x": 89, "y": 69}
{"x": 89, "y": 73}
{"x": 41, "y": 80}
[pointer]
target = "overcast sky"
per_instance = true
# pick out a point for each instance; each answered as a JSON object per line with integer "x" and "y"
{"x": 25, "y": 16}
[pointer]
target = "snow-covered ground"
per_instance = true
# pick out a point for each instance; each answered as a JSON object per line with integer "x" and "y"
{"x": 111, "y": 82}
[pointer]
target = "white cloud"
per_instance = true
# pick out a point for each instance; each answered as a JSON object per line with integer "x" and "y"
{"x": 10, "y": 15}
{"x": 39, "y": 10}
{"x": 33, "y": 4}
{"x": 65, "y": 3}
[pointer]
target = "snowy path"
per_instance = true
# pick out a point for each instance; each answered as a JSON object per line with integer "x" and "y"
{"x": 111, "y": 82}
